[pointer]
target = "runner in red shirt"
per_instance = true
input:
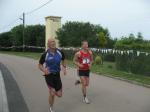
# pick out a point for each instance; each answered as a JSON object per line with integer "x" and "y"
{"x": 83, "y": 60}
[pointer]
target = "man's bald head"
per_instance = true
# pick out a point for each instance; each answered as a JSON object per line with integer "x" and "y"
{"x": 51, "y": 43}
{"x": 51, "y": 40}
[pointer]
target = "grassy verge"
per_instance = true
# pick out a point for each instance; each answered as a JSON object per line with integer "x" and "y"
{"x": 107, "y": 69}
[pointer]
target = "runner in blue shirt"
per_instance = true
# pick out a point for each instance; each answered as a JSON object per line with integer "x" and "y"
{"x": 50, "y": 64}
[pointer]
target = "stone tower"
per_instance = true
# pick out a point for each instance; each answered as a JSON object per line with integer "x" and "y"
{"x": 53, "y": 23}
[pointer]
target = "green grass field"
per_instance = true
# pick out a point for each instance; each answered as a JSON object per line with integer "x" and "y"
{"x": 107, "y": 69}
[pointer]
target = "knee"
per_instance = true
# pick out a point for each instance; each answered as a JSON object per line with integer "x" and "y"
{"x": 59, "y": 95}
{"x": 84, "y": 85}
{"x": 52, "y": 92}
{"x": 87, "y": 84}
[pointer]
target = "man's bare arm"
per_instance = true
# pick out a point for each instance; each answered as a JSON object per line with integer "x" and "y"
{"x": 64, "y": 64}
{"x": 92, "y": 59}
{"x": 75, "y": 60}
{"x": 43, "y": 69}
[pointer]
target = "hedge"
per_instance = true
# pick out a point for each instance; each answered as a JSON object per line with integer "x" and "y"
{"x": 133, "y": 63}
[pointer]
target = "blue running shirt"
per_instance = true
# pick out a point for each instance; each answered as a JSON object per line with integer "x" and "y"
{"x": 52, "y": 61}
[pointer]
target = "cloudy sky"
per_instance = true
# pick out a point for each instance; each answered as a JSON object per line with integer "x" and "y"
{"x": 121, "y": 17}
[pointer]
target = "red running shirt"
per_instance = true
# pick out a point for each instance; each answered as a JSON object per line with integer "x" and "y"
{"x": 84, "y": 59}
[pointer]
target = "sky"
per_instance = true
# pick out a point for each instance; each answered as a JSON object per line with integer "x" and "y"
{"x": 121, "y": 17}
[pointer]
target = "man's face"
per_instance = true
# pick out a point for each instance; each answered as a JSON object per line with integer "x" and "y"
{"x": 85, "y": 45}
{"x": 52, "y": 43}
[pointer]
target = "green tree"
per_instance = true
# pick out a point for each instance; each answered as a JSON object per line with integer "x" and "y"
{"x": 102, "y": 39}
{"x": 5, "y": 39}
{"x": 133, "y": 43}
{"x": 35, "y": 35}
{"x": 139, "y": 37}
{"x": 131, "y": 36}
{"x": 17, "y": 35}
{"x": 72, "y": 33}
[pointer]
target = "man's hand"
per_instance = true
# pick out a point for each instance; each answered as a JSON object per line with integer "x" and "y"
{"x": 46, "y": 71}
{"x": 43, "y": 69}
{"x": 65, "y": 71}
{"x": 80, "y": 65}
{"x": 90, "y": 65}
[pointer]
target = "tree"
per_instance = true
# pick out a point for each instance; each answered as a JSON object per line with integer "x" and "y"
{"x": 139, "y": 37}
{"x": 102, "y": 39}
{"x": 17, "y": 35}
{"x": 72, "y": 33}
{"x": 5, "y": 39}
{"x": 131, "y": 36}
{"x": 35, "y": 35}
{"x": 133, "y": 43}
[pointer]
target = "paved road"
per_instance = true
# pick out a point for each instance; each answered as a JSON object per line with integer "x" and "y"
{"x": 106, "y": 94}
{"x": 3, "y": 97}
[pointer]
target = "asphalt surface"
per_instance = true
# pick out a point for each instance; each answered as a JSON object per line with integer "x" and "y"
{"x": 106, "y": 94}
{"x": 15, "y": 100}
{"x": 3, "y": 96}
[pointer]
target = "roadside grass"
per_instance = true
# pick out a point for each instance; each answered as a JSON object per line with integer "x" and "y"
{"x": 109, "y": 69}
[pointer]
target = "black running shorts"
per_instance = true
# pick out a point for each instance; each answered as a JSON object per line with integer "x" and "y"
{"x": 53, "y": 81}
{"x": 84, "y": 73}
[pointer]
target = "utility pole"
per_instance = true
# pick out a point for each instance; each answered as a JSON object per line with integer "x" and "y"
{"x": 23, "y": 42}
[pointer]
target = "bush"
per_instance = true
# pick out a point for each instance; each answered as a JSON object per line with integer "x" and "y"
{"x": 109, "y": 57}
{"x": 133, "y": 63}
{"x": 110, "y": 66}
{"x": 98, "y": 60}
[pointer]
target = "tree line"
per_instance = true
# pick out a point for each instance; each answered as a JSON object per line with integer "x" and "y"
{"x": 133, "y": 42}
{"x": 70, "y": 35}
{"x": 34, "y": 36}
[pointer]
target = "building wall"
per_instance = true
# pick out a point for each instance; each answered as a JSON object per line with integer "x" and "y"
{"x": 53, "y": 23}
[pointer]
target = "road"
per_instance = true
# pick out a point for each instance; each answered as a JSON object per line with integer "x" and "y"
{"x": 106, "y": 94}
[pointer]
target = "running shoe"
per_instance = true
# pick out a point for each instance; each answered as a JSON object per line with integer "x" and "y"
{"x": 51, "y": 109}
{"x": 77, "y": 82}
{"x": 86, "y": 100}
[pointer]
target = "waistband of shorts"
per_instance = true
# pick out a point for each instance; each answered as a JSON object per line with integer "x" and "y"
{"x": 54, "y": 73}
{"x": 84, "y": 69}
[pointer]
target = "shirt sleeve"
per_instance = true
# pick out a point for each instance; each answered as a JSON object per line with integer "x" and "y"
{"x": 42, "y": 58}
{"x": 63, "y": 55}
